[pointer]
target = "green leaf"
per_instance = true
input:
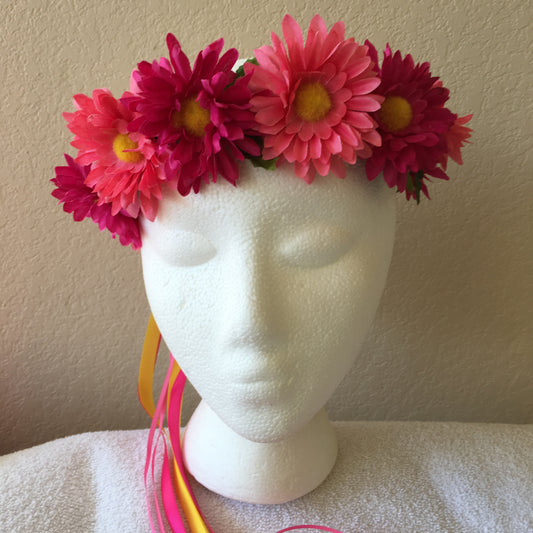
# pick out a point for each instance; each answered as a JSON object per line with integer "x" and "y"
{"x": 419, "y": 176}
{"x": 240, "y": 70}
{"x": 410, "y": 186}
{"x": 414, "y": 184}
{"x": 268, "y": 164}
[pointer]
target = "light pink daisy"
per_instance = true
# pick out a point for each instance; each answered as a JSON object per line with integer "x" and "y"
{"x": 312, "y": 101}
{"x": 125, "y": 169}
{"x": 456, "y": 137}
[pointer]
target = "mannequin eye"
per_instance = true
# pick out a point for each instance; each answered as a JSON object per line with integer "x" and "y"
{"x": 316, "y": 247}
{"x": 186, "y": 248}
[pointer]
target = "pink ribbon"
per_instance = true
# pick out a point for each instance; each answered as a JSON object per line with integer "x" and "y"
{"x": 151, "y": 451}
{"x": 320, "y": 528}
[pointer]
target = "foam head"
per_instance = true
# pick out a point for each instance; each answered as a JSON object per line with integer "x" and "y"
{"x": 264, "y": 292}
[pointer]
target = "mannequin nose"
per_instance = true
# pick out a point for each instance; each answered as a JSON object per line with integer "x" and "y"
{"x": 253, "y": 306}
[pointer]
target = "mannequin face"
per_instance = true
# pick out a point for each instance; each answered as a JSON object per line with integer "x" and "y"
{"x": 264, "y": 292}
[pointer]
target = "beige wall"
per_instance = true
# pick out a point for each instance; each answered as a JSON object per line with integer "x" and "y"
{"x": 453, "y": 336}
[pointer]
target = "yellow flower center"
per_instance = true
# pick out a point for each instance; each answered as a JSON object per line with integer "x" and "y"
{"x": 192, "y": 117}
{"x": 395, "y": 113}
{"x": 123, "y": 142}
{"x": 312, "y": 102}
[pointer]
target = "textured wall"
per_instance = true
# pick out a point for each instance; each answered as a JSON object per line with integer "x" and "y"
{"x": 453, "y": 336}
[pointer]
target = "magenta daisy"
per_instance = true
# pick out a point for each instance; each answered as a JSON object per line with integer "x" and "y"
{"x": 80, "y": 200}
{"x": 203, "y": 114}
{"x": 125, "y": 169}
{"x": 312, "y": 101}
{"x": 413, "y": 124}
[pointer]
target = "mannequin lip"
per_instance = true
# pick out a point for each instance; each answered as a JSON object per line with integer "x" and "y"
{"x": 257, "y": 367}
{"x": 267, "y": 381}
{"x": 259, "y": 378}
{"x": 253, "y": 372}
{"x": 261, "y": 390}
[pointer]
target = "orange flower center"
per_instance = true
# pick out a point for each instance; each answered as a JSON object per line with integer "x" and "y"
{"x": 192, "y": 117}
{"x": 312, "y": 102}
{"x": 396, "y": 113}
{"x": 123, "y": 142}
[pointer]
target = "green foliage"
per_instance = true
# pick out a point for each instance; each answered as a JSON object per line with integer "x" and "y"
{"x": 269, "y": 164}
{"x": 414, "y": 184}
{"x": 240, "y": 70}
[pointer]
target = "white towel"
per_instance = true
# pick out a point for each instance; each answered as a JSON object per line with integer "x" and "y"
{"x": 389, "y": 477}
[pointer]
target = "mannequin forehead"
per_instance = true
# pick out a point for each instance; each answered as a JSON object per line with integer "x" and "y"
{"x": 266, "y": 197}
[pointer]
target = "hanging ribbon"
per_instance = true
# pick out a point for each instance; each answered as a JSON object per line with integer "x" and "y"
{"x": 170, "y": 399}
{"x": 174, "y": 482}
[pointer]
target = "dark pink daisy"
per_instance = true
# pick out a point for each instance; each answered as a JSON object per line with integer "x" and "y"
{"x": 80, "y": 200}
{"x": 413, "y": 124}
{"x": 126, "y": 171}
{"x": 201, "y": 114}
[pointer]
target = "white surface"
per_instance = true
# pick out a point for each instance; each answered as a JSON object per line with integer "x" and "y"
{"x": 393, "y": 477}
{"x": 264, "y": 294}
{"x": 453, "y": 336}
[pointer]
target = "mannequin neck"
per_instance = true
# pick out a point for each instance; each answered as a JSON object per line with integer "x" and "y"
{"x": 263, "y": 473}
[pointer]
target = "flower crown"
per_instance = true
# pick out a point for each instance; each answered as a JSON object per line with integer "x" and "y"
{"x": 316, "y": 106}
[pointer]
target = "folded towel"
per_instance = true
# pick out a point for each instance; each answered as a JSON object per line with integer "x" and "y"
{"x": 390, "y": 476}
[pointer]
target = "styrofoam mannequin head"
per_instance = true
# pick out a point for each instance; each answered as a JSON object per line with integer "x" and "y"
{"x": 264, "y": 292}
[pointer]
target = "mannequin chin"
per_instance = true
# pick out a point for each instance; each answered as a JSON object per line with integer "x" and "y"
{"x": 264, "y": 293}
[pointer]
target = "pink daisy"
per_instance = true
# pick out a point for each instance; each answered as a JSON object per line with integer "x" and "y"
{"x": 312, "y": 101}
{"x": 456, "y": 137}
{"x": 125, "y": 169}
{"x": 413, "y": 124}
{"x": 203, "y": 114}
{"x": 80, "y": 200}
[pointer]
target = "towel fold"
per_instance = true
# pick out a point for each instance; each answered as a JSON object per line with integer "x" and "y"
{"x": 389, "y": 476}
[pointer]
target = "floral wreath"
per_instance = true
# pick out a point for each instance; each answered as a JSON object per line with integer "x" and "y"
{"x": 317, "y": 106}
